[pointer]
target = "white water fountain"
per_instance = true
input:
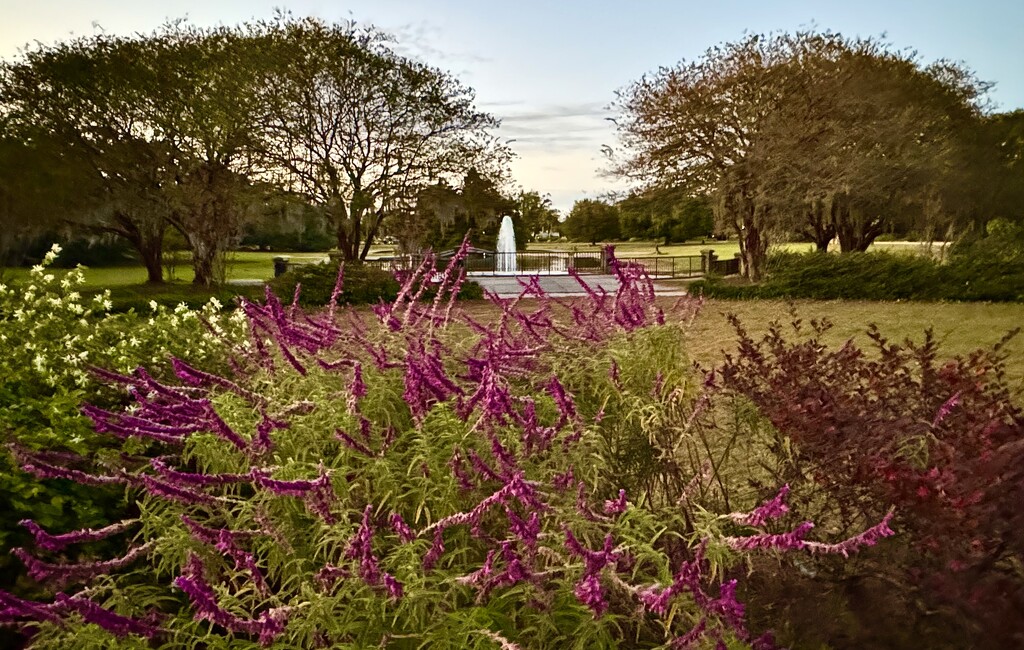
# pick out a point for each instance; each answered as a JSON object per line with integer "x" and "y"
{"x": 506, "y": 258}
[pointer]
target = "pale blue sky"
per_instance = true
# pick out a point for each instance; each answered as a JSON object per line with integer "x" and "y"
{"x": 548, "y": 69}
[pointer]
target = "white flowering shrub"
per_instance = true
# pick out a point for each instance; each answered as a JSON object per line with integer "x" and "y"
{"x": 50, "y": 337}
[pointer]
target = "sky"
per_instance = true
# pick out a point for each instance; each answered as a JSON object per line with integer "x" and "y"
{"x": 549, "y": 70}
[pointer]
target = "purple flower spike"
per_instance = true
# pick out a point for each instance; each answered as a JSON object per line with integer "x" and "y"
{"x": 62, "y": 575}
{"x": 869, "y": 537}
{"x": 588, "y": 589}
{"x": 116, "y": 624}
{"x": 771, "y": 509}
{"x": 357, "y": 390}
{"x": 352, "y": 443}
{"x": 616, "y": 506}
{"x": 192, "y": 581}
{"x": 589, "y": 592}
{"x": 564, "y": 401}
{"x": 401, "y": 529}
{"x": 691, "y": 637}
{"x": 783, "y": 541}
{"x": 564, "y": 481}
{"x": 14, "y": 609}
{"x": 435, "y": 552}
{"x": 394, "y": 587}
{"x": 50, "y": 542}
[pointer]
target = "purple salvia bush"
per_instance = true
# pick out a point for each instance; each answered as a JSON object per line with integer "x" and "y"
{"x": 466, "y": 453}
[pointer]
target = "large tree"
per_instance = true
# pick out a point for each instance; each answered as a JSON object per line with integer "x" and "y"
{"x": 865, "y": 140}
{"x": 692, "y": 127}
{"x": 592, "y": 220}
{"x": 360, "y": 130}
{"x": 166, "y": 123}
{"x": 87, "y": 96}
{"x": 536, "y": 214}
{"x": 207, "y": 113}
{"x": 810, "y": 132}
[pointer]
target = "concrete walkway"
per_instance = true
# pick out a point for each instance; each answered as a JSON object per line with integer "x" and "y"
{"x": 562, "y": 285}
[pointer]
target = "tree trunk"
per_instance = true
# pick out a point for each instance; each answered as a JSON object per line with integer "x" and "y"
{"x": 146, "y": 237}
{"x": 203, "y": 257}
{"x": 153, "y": 257}
{"x": 820, "y": 227}
{"x": 378, "y": 217}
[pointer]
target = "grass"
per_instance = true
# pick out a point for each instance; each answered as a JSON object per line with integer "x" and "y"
{"x": 242, "y": 265}
{"x": 250, "y": 265}
{"x": 959, "y": 328}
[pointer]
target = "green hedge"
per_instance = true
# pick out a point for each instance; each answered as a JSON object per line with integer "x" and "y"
{"x": 877, "y": 276}
{"x": 140, "y": 297}
{"x": 363, "y": 285}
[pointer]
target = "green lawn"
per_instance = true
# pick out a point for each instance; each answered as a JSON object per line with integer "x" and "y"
{"x": 959, "y": 327}
{"x": 243, "y": 265}
{"x": 247, "y": 265}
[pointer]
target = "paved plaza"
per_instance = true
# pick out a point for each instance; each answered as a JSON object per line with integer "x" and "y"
{"x": 561, "y": 285}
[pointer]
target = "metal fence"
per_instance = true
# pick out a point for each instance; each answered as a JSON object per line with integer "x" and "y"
{"x": 683, "y": 266}
{"x": 520, "y": 263}
{"x": 552, "y": 263}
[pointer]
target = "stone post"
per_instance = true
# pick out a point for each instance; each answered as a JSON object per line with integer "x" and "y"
{"x": 707, "y": 260}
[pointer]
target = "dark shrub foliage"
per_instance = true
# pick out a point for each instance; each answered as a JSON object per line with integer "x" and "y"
{"x": 879, "y": 276}
{"x": 859, "y": 431}
{"x": 362, "y": 285}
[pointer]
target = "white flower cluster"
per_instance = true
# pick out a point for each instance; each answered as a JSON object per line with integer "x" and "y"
{"x": 49, "y": 329}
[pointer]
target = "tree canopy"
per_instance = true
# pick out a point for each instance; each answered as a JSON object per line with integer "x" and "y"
{"x": 811, "y": 132}
{"x": 197, "y": 129}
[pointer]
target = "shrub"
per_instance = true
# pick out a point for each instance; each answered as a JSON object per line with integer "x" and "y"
{"x": 877, "y": 276}
{"x": 361, "y": 285}
{"x": 400, "y": 480}
{"x": 50, "y": 335}
{"x": 857, "y": 432}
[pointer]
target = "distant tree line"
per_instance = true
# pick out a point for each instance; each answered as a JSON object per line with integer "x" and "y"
{"x": 207, "y": 133}
{"x": 823, "y": 137}
{"x": 670, "y": 215}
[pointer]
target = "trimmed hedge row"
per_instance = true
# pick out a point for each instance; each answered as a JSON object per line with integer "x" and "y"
{"x": 362, "y": 285}
{"x": 877, "y": 276}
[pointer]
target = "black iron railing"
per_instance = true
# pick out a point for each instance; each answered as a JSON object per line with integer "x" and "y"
{"x": 557, "y": 263}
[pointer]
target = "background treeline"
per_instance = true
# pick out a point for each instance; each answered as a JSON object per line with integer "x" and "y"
{"x": 819, "y": 137}
{"x": 289, "y": 133}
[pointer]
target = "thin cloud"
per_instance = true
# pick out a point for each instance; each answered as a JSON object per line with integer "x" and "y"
{"x": 580, "y": 126}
